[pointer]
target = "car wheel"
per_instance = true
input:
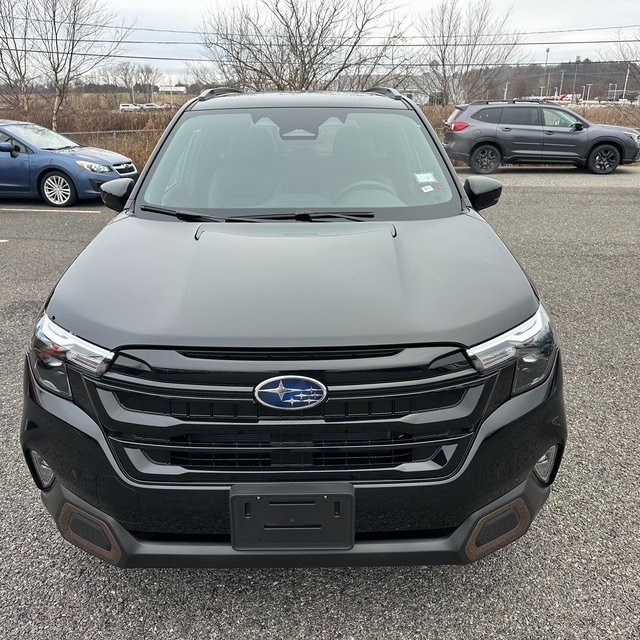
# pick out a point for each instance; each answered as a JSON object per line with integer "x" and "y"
{"x": 485, "y": 159}
{"x": 57, "y": 189}
{"x": 604, "y": 159}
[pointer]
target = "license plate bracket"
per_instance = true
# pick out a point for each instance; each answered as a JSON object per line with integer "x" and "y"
{"x": 277, "y": 517}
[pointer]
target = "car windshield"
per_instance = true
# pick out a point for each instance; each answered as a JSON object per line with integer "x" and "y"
{"x": 40, "y": 137}
{"x": 234, "y": 163}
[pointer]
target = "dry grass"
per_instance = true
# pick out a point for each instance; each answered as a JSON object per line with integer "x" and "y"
{"x": 94, "y": 119}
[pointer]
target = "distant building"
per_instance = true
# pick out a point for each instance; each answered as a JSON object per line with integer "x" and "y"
{"x": 180, "y": 89}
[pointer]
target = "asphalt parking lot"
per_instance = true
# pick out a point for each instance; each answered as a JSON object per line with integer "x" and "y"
{"x": 574, "y": 575}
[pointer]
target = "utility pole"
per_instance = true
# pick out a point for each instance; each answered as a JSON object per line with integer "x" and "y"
{"x": 506, "y": 88}
{"x": 545, "y": 72}
{"x": 589, "y": 90}
{"x": 626, "y": 80}
{"x": 561, "y": 81}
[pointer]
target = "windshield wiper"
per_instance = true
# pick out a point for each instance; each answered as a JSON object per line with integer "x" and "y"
{"x": 304, "y": 216}
{"x": 181, "y": 214}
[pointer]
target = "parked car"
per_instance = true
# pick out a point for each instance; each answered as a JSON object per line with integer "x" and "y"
{"x": 151, "y": 106}
{"x": 37, "y": 162}
{"x": 484, "y": 134}
{"x": 299, "y": 345}
{"x": 170, "y": 107}
{"x": 129, "y": 106}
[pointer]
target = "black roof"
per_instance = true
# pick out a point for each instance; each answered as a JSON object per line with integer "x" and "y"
{"x": 364, "y": 100}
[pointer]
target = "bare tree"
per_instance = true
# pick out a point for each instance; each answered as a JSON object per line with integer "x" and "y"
{"x": 126, "y": 76}
{"x": 16, "y": 66}
{"x": 148, "y": 78}
{"x": 630, "y": 53}
{"x": 466, "y": 44}
{"x": 74, "y": 38}
{"x": 302, "y": 44}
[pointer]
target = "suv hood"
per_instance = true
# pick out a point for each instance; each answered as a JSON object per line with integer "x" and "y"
{"x": 94, "y": 154}
{"x": 619, "y": 128}
{"x": 149, "y": 282}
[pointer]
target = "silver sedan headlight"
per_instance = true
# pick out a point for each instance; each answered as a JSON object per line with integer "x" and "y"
{"x": 531, "y": 345}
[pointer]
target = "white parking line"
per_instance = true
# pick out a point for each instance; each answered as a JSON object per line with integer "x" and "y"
{"x": 51, "y": 210}
{"x": 3, "y": 240}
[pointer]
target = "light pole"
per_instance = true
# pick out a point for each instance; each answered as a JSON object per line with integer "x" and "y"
{"x": 506, "y": 88}
{"x": 561, "y": 81}
{"x": 546, "y": 60}
{"x": 575, "y": 75}
{"x": 626, "y": 80}
{"x": 589, "y": 90}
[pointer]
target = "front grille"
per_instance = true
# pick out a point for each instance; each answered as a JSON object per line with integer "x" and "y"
{"x": 387, "y": 423}
{"x": 125, "y": 168}
{"x": 247, "y": 410}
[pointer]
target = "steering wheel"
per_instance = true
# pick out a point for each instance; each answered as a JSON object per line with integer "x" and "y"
{"x": 362, "y": 184}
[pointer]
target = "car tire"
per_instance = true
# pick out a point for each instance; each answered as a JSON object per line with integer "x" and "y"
{"x": 57, "y": 189}
{"x": 485, "y": 158}
{"x": 603, "y": 159}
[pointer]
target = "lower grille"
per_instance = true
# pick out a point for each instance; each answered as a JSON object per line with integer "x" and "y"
{"x": 290, "y": 451}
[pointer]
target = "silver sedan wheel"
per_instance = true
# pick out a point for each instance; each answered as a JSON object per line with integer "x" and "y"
{"x": 57, "y": 190}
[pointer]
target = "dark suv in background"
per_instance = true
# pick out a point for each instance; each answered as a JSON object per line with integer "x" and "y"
{"x": 485, "y": 134}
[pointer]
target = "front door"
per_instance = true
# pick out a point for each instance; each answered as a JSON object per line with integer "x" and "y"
{"x": 14, "y": 172}
{"x": 561, "y": 140}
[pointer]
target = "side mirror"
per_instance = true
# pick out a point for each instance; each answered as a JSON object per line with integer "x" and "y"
{"x": 482, "y": 192}
{"x": 578, "y": 126}
{"x": 9, "y": 147}
{"x": 115, "y": 193}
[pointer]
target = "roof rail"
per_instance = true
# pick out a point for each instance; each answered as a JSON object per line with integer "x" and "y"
{"x": 217, "y": 92}
{"x": 513, "y": 101}
{"x": 390, "y": 92}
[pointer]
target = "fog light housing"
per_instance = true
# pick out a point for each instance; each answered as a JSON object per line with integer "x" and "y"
{"x": 544, "y": 467}
{"x": 42, "y": 469}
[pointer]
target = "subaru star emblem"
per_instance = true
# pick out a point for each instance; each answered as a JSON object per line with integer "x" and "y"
{"x": 290, "y": 392}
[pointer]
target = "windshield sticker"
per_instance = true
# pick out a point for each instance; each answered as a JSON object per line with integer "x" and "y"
{"x": 427, "y": 189}
{"x": 425, "y": 177}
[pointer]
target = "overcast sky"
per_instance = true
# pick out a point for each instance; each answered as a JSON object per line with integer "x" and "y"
{"x": 527, "y": 15}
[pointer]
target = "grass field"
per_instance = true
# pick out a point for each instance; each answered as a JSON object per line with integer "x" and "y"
{"x": 92, "y": 120}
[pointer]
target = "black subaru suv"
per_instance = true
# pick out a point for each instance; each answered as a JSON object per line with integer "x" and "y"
{"x": 297, "y": 344}
{"x": 485, "y": 134}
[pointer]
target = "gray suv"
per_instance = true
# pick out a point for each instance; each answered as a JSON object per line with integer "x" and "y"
{"x": 484, "y": 134}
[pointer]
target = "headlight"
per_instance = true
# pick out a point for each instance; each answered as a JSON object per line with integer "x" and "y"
{"x": 531, "y": 345}
{"x": 52, "y": 348}
{"x": 633, "y": 135}
{"x": 92, "y": 166}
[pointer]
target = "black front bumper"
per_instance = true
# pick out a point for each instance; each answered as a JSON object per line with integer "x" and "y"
{"x": 400, "y": 521}
{"x": 453, "y": 548}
